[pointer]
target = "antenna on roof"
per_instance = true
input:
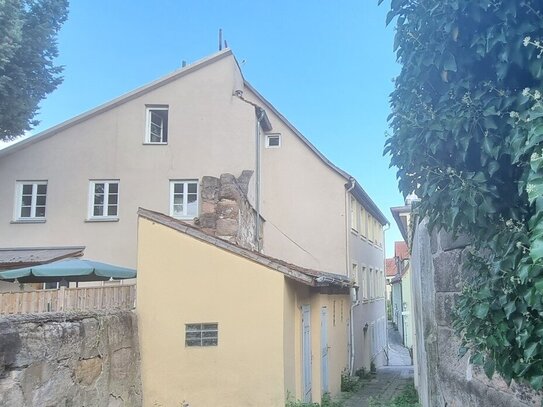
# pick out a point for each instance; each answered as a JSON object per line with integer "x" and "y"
{"x": 220, "y": 39}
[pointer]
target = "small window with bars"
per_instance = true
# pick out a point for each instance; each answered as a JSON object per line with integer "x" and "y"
{"x": 203, "y": 334}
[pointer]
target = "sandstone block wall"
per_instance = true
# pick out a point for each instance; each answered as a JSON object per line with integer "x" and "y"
{"x": 226, "y": 211}
{"x": 444, "y": 379}
{"x": 70, "y": 359}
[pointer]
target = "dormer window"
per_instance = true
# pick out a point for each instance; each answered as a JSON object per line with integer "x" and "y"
{"x": 273, "y": 140}
{"x": 157, "y": 125}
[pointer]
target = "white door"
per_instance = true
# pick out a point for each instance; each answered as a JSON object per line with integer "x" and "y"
{"x": 324, "y": 350}
{"x": 306, "y": 352}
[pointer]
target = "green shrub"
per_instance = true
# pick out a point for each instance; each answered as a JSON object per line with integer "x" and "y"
{"x": 326, "y": 401}
{"x": 467, "y": 139}
{"x": 408, "y": 398}
{"x": 349, "y": 383}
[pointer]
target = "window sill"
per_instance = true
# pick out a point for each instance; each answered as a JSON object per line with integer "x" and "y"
{"x": 148, "y": 143}
{"x": 92, "y": 220}
{"x": 354, "y": 232}
{"x": 18, "y": 221}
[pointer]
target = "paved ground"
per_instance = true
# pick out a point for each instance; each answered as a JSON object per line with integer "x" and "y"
{"x": 390, "y": 380}
{"x": 398, "y": 355}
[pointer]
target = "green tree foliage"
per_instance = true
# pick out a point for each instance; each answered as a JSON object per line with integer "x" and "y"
{"x": 467, "y": 137}
{"x": 28, "y": 31}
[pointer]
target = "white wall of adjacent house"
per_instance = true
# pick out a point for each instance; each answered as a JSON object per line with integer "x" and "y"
{"x": 210, "y": 132}
{"x": 366, "y": 249}
{"x": 101, "y": 169}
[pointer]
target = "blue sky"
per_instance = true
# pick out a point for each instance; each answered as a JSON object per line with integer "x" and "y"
{"x": 326, "y": 65}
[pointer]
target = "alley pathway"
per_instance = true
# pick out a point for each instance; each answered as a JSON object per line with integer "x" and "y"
{"x": 390, "y": 381}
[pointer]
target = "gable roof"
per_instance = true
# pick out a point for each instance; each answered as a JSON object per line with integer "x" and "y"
{"x": 401, "y": 221}
{"x": 358, "y": 191}
{"x": 303, "y": 275}
{"x": 178, "y": 73}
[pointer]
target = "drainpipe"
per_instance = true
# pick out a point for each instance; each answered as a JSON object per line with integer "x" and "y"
{"x": 352, "y": 182}
{"x": 260, "y": 115}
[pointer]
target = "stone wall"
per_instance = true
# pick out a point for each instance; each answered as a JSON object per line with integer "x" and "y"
{"x": 70, "y": 359}
{"x": 444, "y": 379}
{"x": 226, "y": 211}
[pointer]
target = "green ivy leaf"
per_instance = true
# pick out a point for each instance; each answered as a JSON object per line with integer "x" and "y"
{"x": 530, "y": 350}
{"x": 509, "y": 308}
{"x": 449, "y": 62}
{"x": 477, "y": 359}
{"x": 536, "y": 381}
{"x": 489, "y": 367}
{"x": 481, "y": 310}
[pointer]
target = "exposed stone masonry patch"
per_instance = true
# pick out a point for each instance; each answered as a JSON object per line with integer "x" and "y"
{"x": 70, "y": 359}
{"x": 225, "y": 210}
{"x": 438, "y": 279}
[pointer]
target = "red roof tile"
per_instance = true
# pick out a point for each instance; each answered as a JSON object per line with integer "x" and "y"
{"x": 401, "y": 250}
{"x": 390, "y": 267}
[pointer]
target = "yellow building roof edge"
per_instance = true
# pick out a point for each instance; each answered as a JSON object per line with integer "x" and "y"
{"x": 303, "y": 275}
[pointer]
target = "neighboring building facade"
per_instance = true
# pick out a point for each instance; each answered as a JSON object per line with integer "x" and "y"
{"x": 202, "y": 145}
{"x": 248, "y": 330}
{"x": 402, "y": 283}
{"x": 366, "y": 251}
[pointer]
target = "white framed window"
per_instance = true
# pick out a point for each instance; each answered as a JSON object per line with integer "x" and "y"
{"x": 273, "y": 140}
{"x": 354, "y": 215}
{"x": 363, "y": 222}
{"x": 104, "y": 199}
{"x": 354, "y": 273}
{"x": 202, "y": 334}
{"x": 30, "y": 200}
{"x": 184, "y": 199}
{"x": 371, "y": 284}
{"x": 365, "y": 286}
{"x": 156, "y": 128}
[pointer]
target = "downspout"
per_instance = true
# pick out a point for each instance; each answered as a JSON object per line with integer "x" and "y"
{"x": 355, "y": 301}
{"x": 259, "y": 116}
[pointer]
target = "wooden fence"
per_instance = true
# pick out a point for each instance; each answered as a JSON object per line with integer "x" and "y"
{"x": 69, "y": 299}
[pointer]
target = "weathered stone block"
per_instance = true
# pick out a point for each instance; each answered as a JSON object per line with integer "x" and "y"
{"x": 448, "y": 345}
{"x": 227, "y": 227}
{"x": 447, "y": 275}
{"x": 207, "y": 221}
{"x": 210, "y": 188}
{"x": 243, "y": 180}
{"x": 229, "y": 188}
{"x": 88, "y": 370}
{"x": 447, "y": 242}
{"x": 445, "y": 303}
{"x": 227, "y": 209}
{"x": 208, "y": 207}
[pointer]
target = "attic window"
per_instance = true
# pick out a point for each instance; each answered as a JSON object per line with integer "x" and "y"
{"x": 273, "y": 140}
{"x": 157, "y": 125}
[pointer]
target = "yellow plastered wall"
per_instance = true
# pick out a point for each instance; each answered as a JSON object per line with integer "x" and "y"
{"x": 183, "y": 280}
{"x": 297, "y": 295}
